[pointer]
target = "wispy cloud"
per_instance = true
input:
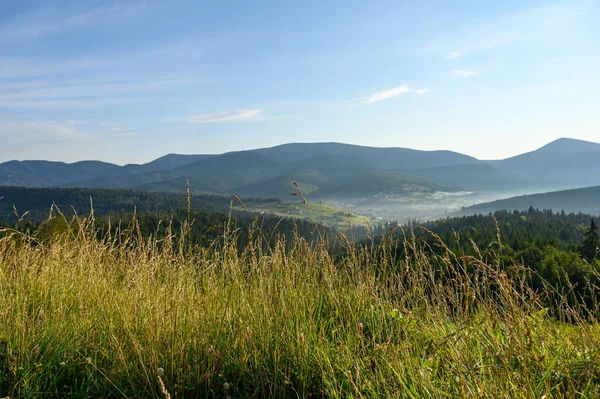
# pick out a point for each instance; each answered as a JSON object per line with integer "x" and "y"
{"x": 165, "y": 57}
{"x": 43, "y": 131}
{"x": 89, "y": 89}
{"x": 48, "y": 132}
{"x": 552, "y": 19}
{"x": 84, "y": 93}
{"x": 47, "y": 21}
{"x": 463, "y": 73}
{"x": 71, "y": 103}
{"x": 224, "y": 116}
{"x": 62, "y": 140}
{"x": 386, "y": 94}
{"x": 452, "y": 55}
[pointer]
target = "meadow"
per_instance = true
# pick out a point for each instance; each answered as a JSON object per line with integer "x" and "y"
{"x": 126, "y": 315}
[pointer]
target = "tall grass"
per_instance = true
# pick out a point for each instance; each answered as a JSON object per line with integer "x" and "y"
{"x": 128, "y": 316}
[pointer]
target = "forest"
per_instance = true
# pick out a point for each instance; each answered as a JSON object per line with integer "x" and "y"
{"x": 191, "y": 304}
{"x": 558, "y": 248}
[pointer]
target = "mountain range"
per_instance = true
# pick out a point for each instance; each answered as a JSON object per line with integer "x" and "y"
{"x": 327, "y": 171}
{"x": 586, "y": 200}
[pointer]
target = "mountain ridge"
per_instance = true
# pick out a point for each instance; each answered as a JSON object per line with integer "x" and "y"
{"x": 334, "y": 168}
{"x": 559, "y": 140}
{"x": 586, "y": 200}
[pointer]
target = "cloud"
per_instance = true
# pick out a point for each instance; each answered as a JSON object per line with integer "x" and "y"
{"x": 69, "y": 141}
{"x": 452, "y": 55}
{"x": 463, "y": 73}
{"x": 83, "y": 93}
{"x": 387, "y": 94}
{"x": 421, "y": 91}
{"x": 47, "y": 21}
{"x": 86, "y": 93}
{"x": 224, "y": 116}
{"x": 532, "y": 26}
{"x": 43, "y": 131}
{"x": 86, "y": 89}
{"x": 70, "y": 103}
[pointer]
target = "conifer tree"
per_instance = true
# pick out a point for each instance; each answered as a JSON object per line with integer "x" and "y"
{"x": 591, "y": 243}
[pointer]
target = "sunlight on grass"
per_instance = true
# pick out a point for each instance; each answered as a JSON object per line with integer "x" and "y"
{"x": 124, "y": 316}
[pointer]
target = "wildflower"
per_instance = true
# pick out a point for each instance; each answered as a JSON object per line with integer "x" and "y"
{"x": 160, "y": 371}
{"x": 226, "y": 386}
{"x": 360, "y": 326}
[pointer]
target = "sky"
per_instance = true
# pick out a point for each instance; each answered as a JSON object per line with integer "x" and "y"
{"x": 130, "y": 81}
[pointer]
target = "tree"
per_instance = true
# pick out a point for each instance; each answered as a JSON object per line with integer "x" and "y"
{"x": 591, "y": 243}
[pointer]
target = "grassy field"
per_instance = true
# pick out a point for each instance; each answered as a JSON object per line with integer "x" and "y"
{"x": 129, "y": 317}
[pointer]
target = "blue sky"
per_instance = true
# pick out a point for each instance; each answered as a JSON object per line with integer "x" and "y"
{"x": 129, "y": 81}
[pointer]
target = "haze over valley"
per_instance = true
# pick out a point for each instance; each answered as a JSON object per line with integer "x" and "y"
{"x": 382, "y": 183}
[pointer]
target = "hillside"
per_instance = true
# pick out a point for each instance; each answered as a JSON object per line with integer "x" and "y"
{"x": 156, "y": 317}
{"x": 384, "y": 158}
{"x": 563, "y": 163}
{"x": 257, "y": 174}
{"x": 45, "y": 173}
{"x": 476, "y": 177}
{"x": 170, "y": 162}
{"x": 585, "y": 200}
{"x": 328, "y": 171}
{"x": 38, "y": 201}
{"x": 36, "y": 204}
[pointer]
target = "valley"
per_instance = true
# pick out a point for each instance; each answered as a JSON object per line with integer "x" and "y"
{"x": 378, "y": 183}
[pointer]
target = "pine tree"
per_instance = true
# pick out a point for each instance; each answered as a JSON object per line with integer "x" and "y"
{"x": 591, "y": 243}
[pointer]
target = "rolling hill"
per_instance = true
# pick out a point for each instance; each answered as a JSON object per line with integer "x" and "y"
{"x": 563, "y": 163}
{"x": 46, "y": 173}
{"x": 338, "y": 176}
{"x": 398, "y": 159}
{"x": 327, "y": 170}
{"x": 215, "y": 174}
{"x": 476, "y": 177}
{"x": 34, "y": 204}
{"x": 586, "y": 200}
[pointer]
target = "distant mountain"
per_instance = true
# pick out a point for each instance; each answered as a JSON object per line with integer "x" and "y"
{"x": 330, "y": 163}
{"x": 586, "y": 200}
{"x": 281, "y": 186}
{"x": 557, "y": 148}
{"x": 327, "y": 170}
{"x": 563, "y": 163}
{"x": 233, "y": 162}
{"x": 45, "y": 173}
{"x": 380, "y": 183}
{"x": 216, "y": 174}
{"x": 266, "y": 173}
{"x": 476, "y": 177}
{"x": 338, "y": 176}
{"x": 364, "y": 184}
{"x": 171, "y": 161}
{"x": 125, "y": 181}
{"x": 398, "y": 159}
